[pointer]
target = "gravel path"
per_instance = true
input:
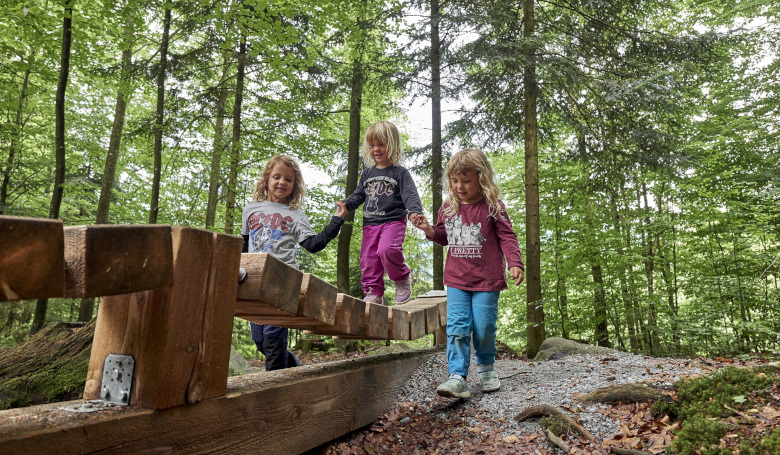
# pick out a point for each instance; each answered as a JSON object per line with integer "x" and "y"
{"x": 492, "y": 415}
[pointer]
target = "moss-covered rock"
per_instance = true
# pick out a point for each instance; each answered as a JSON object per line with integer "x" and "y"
{"x": 51, "y": 366}
{"x": 556, "y": 348}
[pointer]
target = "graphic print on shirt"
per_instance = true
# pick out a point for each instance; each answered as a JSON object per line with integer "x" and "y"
{"x": 266, "y": 230}
{"x": 465, "y": 240}
{"x": 377, "y": 187}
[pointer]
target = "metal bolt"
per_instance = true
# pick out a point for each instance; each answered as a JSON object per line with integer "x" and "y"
{"x": 123, "y": 395}
{"x": 104, "y": 393}
{"x": 116, "y": 374}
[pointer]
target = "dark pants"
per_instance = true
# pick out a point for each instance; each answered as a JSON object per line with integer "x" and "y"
{"x": 271, "y": 341}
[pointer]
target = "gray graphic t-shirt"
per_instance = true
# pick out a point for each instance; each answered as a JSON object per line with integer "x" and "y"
{"x": 275, "y": 229}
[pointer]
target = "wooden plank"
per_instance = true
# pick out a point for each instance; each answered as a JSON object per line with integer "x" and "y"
{"x": 166, "y": 330}
{"x": 317, "y": 299}
{"x": 209, "y": 377}
{"x": 376, "y": 321}
{"x": 32, "y": 264}
{"x": 416, "y": 322}
{"x": 350, "y": 318}
{"x": 105, "y": 260}
{"x": 398, "y": 324}
{"x": 269, "y": 282}
{"x": 284, "y": 412}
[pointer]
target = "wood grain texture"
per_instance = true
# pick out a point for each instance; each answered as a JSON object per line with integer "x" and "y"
{"x": 398, "y": 324}
{"x": 105, "y": 260}
{"x": 167, "y": 330}
{"x": 285, "y": 412}
{"x": 317, "y": 299}
{"x": 32, "y": 264}
{"x": 269, "y": 282}
{"x": 376, "y": 321}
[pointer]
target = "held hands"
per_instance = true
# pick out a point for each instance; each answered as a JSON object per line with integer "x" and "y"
{"x": 341, "y": 209}
{"x": 420, "y": 222}
{"x": 517, "y": 274}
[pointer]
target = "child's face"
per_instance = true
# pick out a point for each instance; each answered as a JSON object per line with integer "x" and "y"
{"x": 465, "y": 186}
{"x": 280, "y": 183}
{"x": 378, "y": 150}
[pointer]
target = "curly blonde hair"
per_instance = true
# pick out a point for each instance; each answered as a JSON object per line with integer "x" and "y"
{"x": 296, "y": 198}
{"x": 472, "y": 160}
{"x": 388, "y": 133}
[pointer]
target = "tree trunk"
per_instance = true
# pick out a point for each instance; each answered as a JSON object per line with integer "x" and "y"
{"x": 235, "y": 151}
{"x": 624, "y": 291}
{"x": 219, "y": 149}
{"x": 353, "y": 167}
{"x": 601, "y": 330}
{"x": 560, "y": 289}
{"x": 652, "y": 246}
{"x": 436, "y": 152}
{"x": 16, "y": 141}
{"x": 534, "y": 306}
{"x": 154, "y": 206}
{"x": 59, "y": 145}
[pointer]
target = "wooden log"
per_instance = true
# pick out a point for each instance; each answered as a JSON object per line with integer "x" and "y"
{"x": 32, "y": 264}
{"x": 398, "y": 324}
{"x": 285, "y": 412}
{"x": 105, "y": 260}
{"x": 376, "y": 321}
{"x": 317, "y": 299}
{"x": 179, "y": 336}
{"x": 269, "y": 283}
{"x": 350, "y": 318}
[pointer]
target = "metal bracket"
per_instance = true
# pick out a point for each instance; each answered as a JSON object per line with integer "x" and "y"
{"x": 117, "y": 379}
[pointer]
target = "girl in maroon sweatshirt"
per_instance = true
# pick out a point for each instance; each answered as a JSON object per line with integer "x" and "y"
{"x": 481, "y": 244}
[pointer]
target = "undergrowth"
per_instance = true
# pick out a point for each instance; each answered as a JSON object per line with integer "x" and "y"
{"x": 712, "y": 412}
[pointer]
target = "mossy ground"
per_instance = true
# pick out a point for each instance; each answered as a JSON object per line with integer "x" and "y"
{"x": 731, "y": 411}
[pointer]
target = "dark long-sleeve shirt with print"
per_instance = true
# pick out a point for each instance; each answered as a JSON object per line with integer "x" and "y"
{"x": 389, "y": 194}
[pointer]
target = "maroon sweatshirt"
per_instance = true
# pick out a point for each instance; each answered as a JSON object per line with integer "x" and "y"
{"x": 478, "y": 244}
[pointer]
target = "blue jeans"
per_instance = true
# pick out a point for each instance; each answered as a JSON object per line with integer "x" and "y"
{"x": 471, "y": 312}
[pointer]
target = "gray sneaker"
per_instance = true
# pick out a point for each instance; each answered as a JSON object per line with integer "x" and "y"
{"x": 489, "y": 379}
{"x": 454, "y": 387}
{"x": 372, "y": 298}
{"x": 403, "y": 290}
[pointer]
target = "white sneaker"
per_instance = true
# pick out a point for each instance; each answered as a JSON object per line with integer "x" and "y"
{"x": 454, "y": 387}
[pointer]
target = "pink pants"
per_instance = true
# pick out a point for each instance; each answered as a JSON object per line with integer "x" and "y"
{"x": 382, "y": 251}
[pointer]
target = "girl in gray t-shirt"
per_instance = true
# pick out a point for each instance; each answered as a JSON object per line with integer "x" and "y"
{"x": 275, "y": 223}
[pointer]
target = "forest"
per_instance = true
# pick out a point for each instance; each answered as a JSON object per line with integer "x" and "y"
{"x": 635, "y": 142}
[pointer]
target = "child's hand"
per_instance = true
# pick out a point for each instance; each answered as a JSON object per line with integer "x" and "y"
{"x": 420, "y": 222}
{"x": 341, "y": 209}
{"x": 517, "y": 274}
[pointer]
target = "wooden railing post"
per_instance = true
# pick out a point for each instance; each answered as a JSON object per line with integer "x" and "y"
{"x": 179, "y": 336}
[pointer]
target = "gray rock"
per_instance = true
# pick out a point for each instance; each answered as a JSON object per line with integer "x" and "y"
{"x": 556, "y": 348}
{"x": 238, "y": 364}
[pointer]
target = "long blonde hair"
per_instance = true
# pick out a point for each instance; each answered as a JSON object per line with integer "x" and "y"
{"x": 295, "y": 200}
{"x": 388, "y": 133}
{"x": 472, "y": 160}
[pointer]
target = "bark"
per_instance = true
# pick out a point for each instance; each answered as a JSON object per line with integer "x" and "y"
{"x": 534, "y": 307}
{"x": 16, "y": 141}
{"x": 59, "y": 145}
{"x": 159, "y": 118}
{"x": 436, "y": 152}
{"x": 601, "y": 330}
{"x": 353, "y": 165}
{"x": 652, "y": 247}
{"x": 235, "y": 151}
{"x": 560, "y": 289}
{"x": 219, "y": 149}
{"x": 624, "y": 291}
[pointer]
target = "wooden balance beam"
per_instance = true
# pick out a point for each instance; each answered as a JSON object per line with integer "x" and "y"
{"x": 282, "y": 412}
